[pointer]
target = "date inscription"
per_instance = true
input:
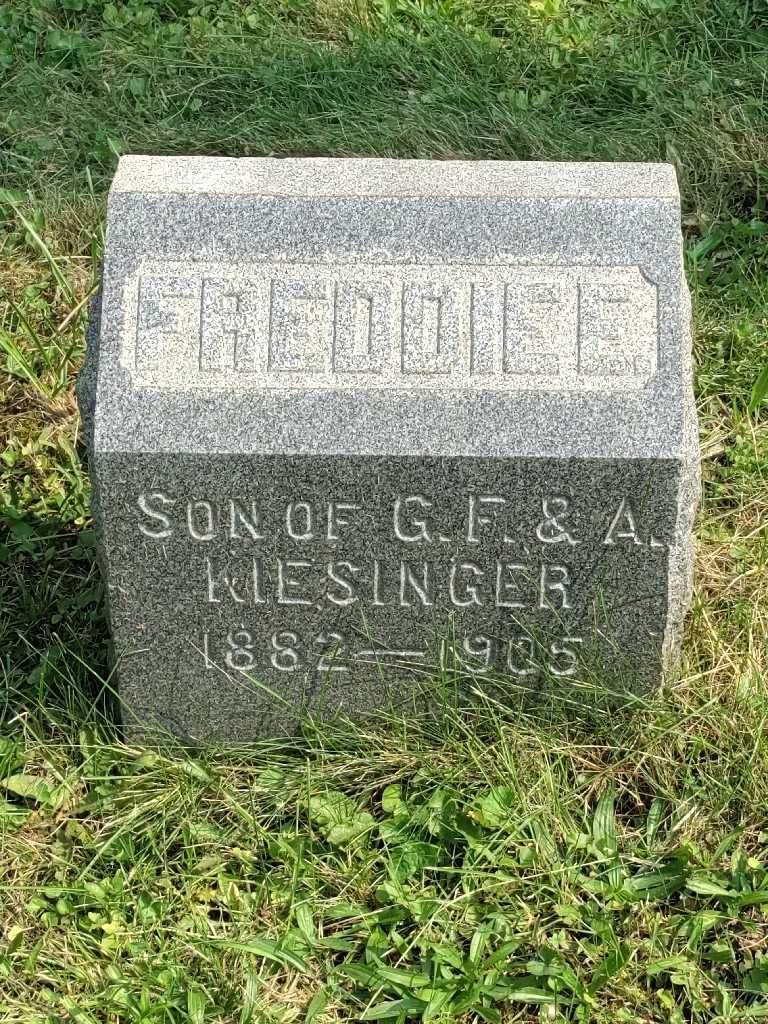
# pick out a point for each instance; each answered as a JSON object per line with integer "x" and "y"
{"x": 335, "y": 652}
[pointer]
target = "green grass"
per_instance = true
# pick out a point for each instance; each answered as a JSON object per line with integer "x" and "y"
{"x": 582, "y": 861}
{"x": 630, "y": 79}
{"x": 470, "y": 869}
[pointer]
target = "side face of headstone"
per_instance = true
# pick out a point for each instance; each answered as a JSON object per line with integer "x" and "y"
{"x": 355, "y": 419}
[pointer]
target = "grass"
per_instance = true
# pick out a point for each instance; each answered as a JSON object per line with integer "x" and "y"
{"x": 583, "y": 862}
{"x": 633, "y": 79}
{"x": 473, "y": 870}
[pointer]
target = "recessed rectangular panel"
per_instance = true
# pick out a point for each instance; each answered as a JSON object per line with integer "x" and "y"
{"x": 499, "y": 327}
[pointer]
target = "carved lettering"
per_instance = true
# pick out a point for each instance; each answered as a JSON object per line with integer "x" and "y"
{"x": 240, "y": 654}
{"x": 506, "y": 588}
{"x": 241, "y": 586}
{"x": 221, "y": 578}
{"x": 416, "y": 528}
{"x": 379, "y": 600}
{"x": 239, "y": 519}
{"x": 487, "y": 328}
{"x": 233, "y": 325}
{"x": 299, "y": 521}
{"x": 479, "y": 653}
{"x": 207, "y": 662}
{"x": 352, "y": 567}
{"x": 286, "y": 582}
{"x": 313, "y": 325}
{"x": 145, "y": 503}
{"x": 568, "y": 659}
{"x": 540, "y": 327}
{"x": 420, "y": 588}
{"x": 615, "y": 317}
{"x": 521, "y": 656}
{"x": 625, "y": 519}
{"x": 257, "y": 576}
{"x": 201, "y": 514}
{"x": 364, "y": 325}
{"x": 332, "y": 651}
{"x": 285, "y": 656}
{"x": 337, "y": 517}
{"x": 335, "y": 652}
{"x": 476, "y": 517}
{"x": 555, "y": 579}
{"x": 300, "y": 325}
{"x": 469, "y": 592}
{"x": 431, "y": 328}
{"x": 348, "y": 594}
{"x": 167, "y": 317}
{"x": 551, "y": 530}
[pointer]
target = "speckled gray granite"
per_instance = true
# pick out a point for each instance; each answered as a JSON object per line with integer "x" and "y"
{"x": 352, "y": 418}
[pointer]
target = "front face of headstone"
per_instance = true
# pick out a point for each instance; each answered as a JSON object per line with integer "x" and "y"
{"x": 360, "y": 421}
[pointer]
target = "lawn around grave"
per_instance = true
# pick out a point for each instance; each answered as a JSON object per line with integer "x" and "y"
{"x": 588, "y": 858}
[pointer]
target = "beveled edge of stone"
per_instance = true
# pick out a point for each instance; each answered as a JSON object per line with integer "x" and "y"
{"x": 681, "y": 559}
{"x": 682, "y": 551}
{"x": 85, "y": 385}
{"x": 359, "y": 177}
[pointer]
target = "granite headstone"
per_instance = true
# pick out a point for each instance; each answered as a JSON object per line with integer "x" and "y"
{"x": 350, "y": 420}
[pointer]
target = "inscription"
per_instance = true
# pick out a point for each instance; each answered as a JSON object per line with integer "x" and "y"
{"x": 381, "y": 584}
{"x": 301, "y": 321}
{"x": 414, "y": 520}
{"x": 335, "y": 563}
{"x": 499, "y": 327}
{"x": 520, "y": 655}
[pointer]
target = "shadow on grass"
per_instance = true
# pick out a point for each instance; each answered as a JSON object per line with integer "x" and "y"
{"x": 53, "y": 633}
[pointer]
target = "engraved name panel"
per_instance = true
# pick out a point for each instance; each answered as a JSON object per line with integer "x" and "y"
{"x": 299, "y": 325}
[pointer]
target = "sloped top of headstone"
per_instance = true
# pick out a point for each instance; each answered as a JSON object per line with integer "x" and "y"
{"x": 393, "y": 307}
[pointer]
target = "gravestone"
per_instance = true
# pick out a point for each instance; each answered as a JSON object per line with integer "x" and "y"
{"x": 353, "y": 420}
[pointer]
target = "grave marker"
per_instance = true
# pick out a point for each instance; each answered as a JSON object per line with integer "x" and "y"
{"x": 351, "y": 417}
